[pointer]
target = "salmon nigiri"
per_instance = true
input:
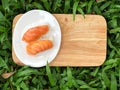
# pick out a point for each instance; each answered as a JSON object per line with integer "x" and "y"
{"x": 39, "y": 46}
{"x": 34, "y": 33}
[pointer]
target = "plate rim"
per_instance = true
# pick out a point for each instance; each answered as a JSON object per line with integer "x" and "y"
{"x": 59, "y": 46}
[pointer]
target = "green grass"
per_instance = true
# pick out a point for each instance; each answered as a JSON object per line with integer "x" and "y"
{"x": 105, "y": 77}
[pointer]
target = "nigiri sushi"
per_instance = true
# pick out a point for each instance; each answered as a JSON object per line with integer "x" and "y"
{"x": 35, "y": 33}
{"x": 38, "y": 46}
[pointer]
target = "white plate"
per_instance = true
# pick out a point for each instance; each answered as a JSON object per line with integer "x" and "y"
{"x": 30, "y": 19}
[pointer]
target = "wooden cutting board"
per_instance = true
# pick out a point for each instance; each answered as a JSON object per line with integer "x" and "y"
{"x": 83, "y": 40}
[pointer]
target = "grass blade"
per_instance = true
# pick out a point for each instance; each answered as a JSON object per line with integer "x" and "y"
{"x": 24, "y": 86}
{"x": 1, "y": 15}
{"x": 113, "y": 23}
{"x": 115, "y": 30}
{"x": 2, "y": 37}
{"x": 90, "y": 6}
{"x": 111, "y": 45}
{"x": 3, "y": 64}
{"x": 69, "y": 75}
{"x": 3, "y": 29}
{"x": 39, "y": 6}
{"x": 106, "y": 79}
{"x": 97, "y": 10}
{"x": 84, "y": 5}
{"x": 119, "y": 74}
{"x": 56, "y": 5}
{"x": 113, "y": 85}
{"x": 81, "y": 83}
{"x": 5, "y": 4}
{"x": 67, "y": 6}
{"x": 81, "y": 11}
{"x": 75, "y": 9}
{"x": 26, "y": 72}
{"x": 94, "y": 73}
{"x": 50, "y": 77}
{"x": 46, "y": 5}
{"x": 85, "y": 87}
{"x": 110, "y": 62}
{"x": 105, "y": 5}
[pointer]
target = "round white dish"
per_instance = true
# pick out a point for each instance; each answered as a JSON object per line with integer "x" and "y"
{"x": 30, "y": 19}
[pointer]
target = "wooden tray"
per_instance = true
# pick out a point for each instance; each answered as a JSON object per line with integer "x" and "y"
{"x": 83, "y": 41}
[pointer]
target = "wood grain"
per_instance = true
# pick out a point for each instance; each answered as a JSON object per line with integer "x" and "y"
{"x": 83, "y": 41}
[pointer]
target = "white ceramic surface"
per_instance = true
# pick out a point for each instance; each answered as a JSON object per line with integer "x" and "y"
{"x": 30, "y": 19}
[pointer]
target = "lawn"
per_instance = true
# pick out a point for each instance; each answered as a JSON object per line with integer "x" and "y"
{"x": 105, "y": 77}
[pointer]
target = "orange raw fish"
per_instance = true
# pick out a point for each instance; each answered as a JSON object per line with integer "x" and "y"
{"x": 39, "y": 46}
{"x": 34, "y": 33}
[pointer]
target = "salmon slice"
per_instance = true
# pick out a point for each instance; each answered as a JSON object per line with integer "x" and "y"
{"x": 35, "y": 33}
{"x": 38, "y": 46}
